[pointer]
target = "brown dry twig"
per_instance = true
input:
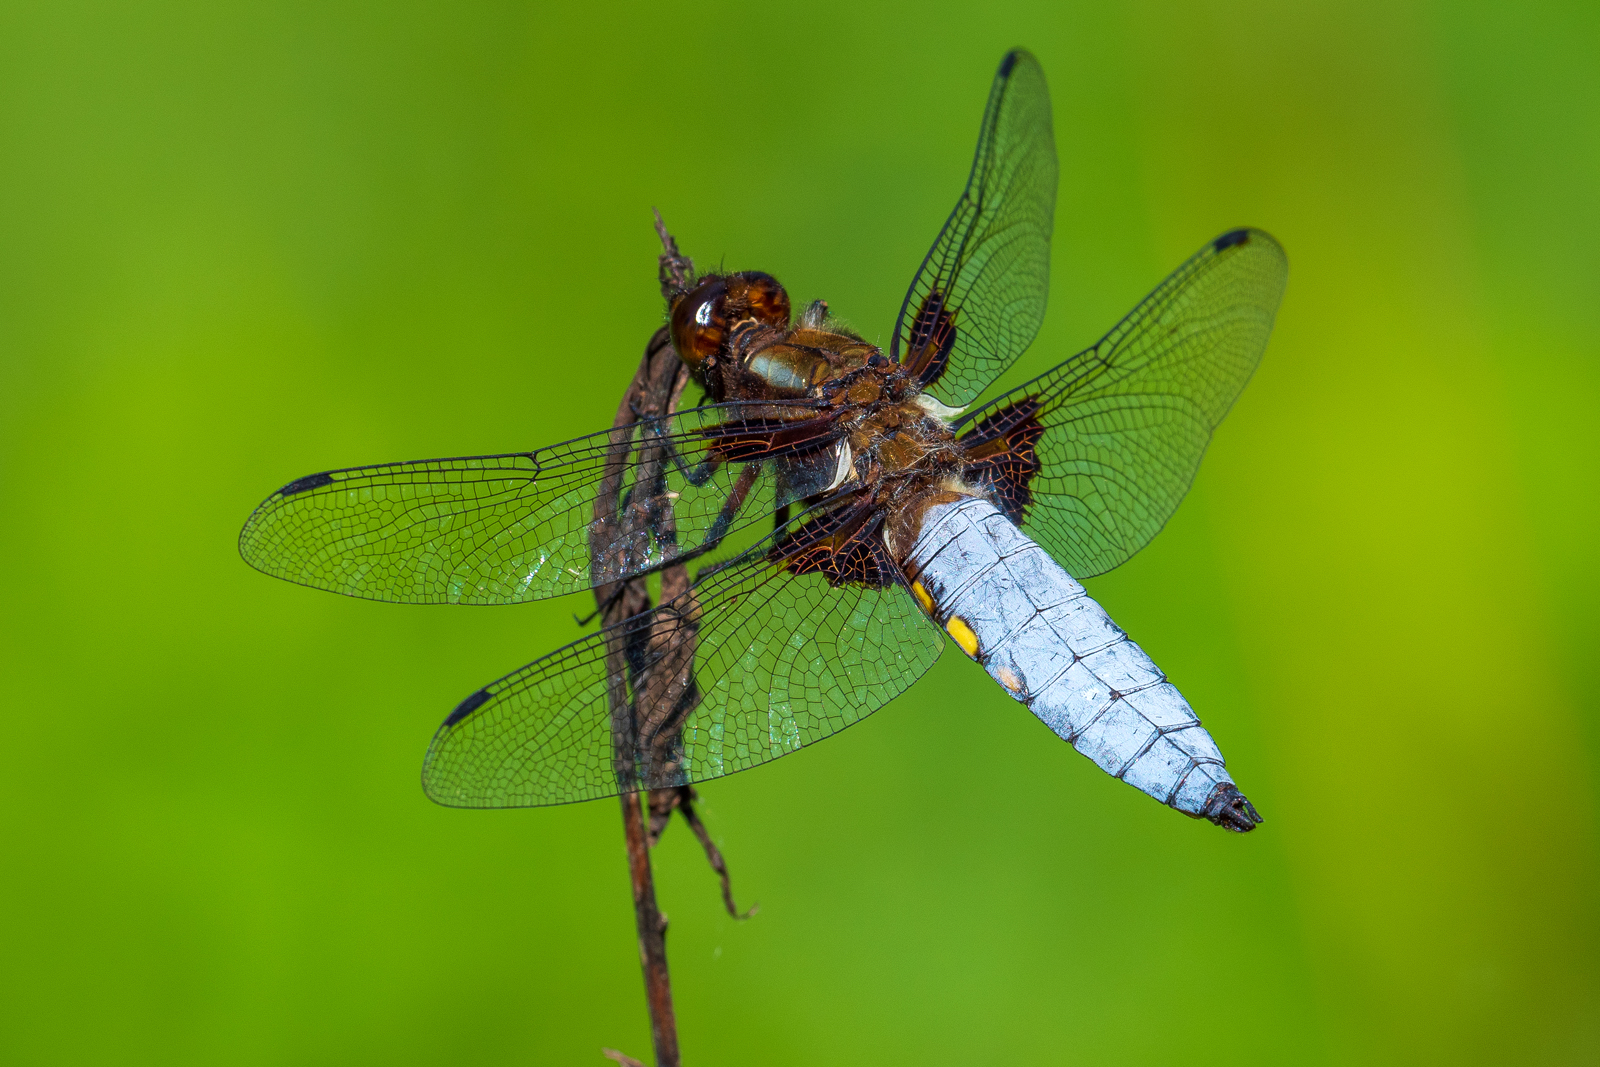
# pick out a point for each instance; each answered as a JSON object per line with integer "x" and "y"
{"x": 647, "y": 721}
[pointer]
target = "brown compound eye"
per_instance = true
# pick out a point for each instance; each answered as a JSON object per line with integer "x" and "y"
{"x": 700, "y": 321}
{"x": 758, "y": 296}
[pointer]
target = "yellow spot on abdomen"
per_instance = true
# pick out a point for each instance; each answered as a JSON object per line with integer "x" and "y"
{"x": 1009, "y": 679}
{"x": 963, "y": 635}
{"x": 922, "y": 598}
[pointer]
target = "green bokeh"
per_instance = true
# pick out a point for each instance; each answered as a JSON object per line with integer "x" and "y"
{"x": 241, "y": 242}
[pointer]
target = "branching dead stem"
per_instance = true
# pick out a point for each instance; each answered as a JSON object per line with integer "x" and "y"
{"x": 654, "y": 392}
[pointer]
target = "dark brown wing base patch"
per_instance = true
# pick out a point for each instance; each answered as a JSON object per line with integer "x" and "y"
{"x": 933, "y": 335}
{"x": 844, "y": 545}
{"x": 756, "y": 439}
{"x": 1000, "y": 454}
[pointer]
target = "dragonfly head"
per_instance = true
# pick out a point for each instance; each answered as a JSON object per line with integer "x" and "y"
{"x": 705, "y": 316}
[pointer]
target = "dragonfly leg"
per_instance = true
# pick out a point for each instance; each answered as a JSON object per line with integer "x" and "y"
{"x": 730, "y": 507}
{"x": 663, "y": 802}
{"x": 698, "y": 474}
{"x": 719, "y": 527}
{"x": 616, "y": 595}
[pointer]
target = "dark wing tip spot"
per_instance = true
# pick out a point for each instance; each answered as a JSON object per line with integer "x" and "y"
{"x": 468, "y": 706}
{"x": 1008, "y": 62}
{"x": 1231, "y": 238}
{"x": 310, "y": 481}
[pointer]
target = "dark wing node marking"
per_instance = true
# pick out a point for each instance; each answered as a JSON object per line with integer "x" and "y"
{"x": 979, "y": 296}
{"x": 1125, "y": 423}
{"x": 779, "y": 661}
{"x": 510, "y": 528}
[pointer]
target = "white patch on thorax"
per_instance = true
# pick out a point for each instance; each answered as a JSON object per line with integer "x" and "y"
{"x": 844, "y": 469}
{"x": 936, "y": 409}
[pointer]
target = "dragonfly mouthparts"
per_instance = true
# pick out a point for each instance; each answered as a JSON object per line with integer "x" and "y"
{"x": 1229, "y": 809}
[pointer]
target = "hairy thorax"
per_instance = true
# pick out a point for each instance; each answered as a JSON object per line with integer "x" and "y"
{"x": 861, "y": 444}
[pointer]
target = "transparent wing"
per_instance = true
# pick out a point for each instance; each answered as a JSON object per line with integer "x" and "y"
{"x": 511, "y": 528}
{"x": 754, "y": 664}
{"x": 979, "y": 297}
{"x": 1118, "y": 430}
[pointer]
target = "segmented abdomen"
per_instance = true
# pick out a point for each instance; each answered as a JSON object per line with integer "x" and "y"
{"x": 1014, "y": 610}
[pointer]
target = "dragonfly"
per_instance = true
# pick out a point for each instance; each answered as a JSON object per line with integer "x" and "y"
{"x": 850, "y": 510}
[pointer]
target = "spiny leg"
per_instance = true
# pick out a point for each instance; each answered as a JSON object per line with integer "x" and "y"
{"x": 663, "y": 802}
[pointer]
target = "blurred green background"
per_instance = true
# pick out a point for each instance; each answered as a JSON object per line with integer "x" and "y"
{"x": 241, "y": 242}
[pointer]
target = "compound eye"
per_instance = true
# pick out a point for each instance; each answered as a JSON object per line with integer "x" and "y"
{"x": 760, "y": 297}
{"x": 700, "y": 321}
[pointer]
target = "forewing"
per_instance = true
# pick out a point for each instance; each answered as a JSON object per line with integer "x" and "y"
{"x": 1125, "y": 423}
{"x": 517, "y": 527}
{"x": 979, "y": 297}
{"x": 778, "y": 661}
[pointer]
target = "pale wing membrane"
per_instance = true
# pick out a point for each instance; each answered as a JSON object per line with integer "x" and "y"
{"x": 510, "y": 528}
{"x": 990, "y": 265}
{"x": 1127, "y": 421}
{"x": 779, "y": 661}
